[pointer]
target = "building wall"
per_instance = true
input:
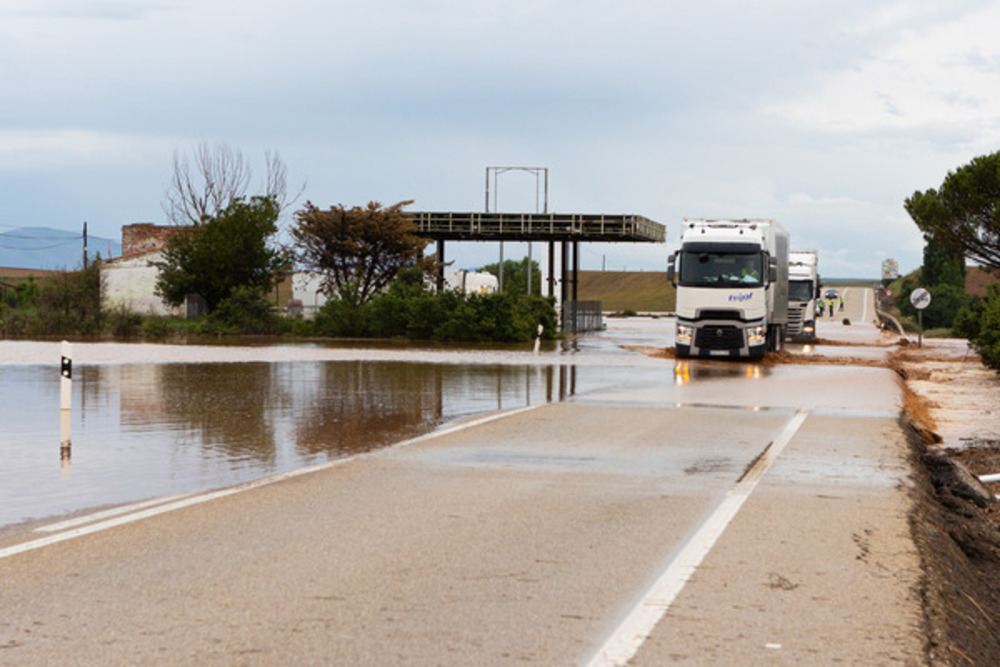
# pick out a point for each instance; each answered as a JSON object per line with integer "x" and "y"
{"x": 145, "y": 237}
{"x": 130, "y": 283}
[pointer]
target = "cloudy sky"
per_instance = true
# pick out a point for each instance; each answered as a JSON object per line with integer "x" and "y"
{"x": 822, "y": 114}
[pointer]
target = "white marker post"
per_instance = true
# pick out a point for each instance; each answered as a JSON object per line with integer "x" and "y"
{"x": 538, "y": 338}
{"x": 65, "y": 401}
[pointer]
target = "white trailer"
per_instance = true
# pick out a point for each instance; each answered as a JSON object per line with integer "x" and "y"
{"x": 803, "y": 290}
{"x": 731, "y": 277}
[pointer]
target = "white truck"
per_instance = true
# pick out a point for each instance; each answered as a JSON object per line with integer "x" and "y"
{"x": 803, "y": 290}
{"x": 732, "y": 287}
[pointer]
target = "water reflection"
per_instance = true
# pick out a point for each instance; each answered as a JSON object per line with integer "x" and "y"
{"x": 142, "y": 430}
{"x": 685, "y": 372}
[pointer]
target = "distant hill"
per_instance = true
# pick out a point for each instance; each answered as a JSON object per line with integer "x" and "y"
{"x": 52, "y": 249}
{"x": 628, "y": 290}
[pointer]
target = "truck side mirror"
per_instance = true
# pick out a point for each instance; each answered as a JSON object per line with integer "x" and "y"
{"x": 772, "y": 270}
{"x": 671, "y": 271}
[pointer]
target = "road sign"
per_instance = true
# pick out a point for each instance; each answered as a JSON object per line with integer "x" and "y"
{"x": 890, "y": 269}
{"x": 920, "y": 298}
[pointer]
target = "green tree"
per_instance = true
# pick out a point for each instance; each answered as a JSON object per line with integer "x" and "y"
{"x": 943, "y": 275}
{"x": 515, "y": 276}
{"x": 358, "y": 251}
{"x": 942, "y": 266}
{"x": 230, "y": 250}
{"x": 963, "y": 214}
{"x": 987, "y": 340}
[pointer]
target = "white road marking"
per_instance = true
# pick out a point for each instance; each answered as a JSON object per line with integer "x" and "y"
{"x": 626, "y": 639}
{"x": 97, "y": 516}
{"x": 222, "y": 493}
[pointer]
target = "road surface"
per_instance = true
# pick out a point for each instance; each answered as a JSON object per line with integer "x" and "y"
{"x": 712, "y": 513}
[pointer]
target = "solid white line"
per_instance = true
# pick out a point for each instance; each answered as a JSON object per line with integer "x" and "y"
{"x": 222, "y": 493}
{"x": 97, "y": 516}
{"x": 626, "y": 639}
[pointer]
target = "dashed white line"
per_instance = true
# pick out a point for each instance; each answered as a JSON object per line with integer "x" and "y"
{"x": 626, "y": 639}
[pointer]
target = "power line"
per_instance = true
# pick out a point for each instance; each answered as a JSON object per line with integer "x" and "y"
{"x": 68, "y": 237}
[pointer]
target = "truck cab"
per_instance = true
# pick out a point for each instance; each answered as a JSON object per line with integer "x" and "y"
{"x": 732, "y": 288}
{"x": 803, "y": 291}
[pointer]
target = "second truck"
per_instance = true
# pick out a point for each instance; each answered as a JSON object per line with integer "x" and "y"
{"x": 803, "y": 290}
{"x": 731, "y": 277}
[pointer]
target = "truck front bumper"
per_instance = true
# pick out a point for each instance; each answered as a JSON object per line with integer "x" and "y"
{"x": 725, "y": 339}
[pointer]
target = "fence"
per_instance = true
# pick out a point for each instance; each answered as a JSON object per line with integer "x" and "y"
{"x": 580, "y": 316}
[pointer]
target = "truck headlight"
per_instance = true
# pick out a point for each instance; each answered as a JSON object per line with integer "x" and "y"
{"x": 684, "y": 334}
{"x": 756, "y": 335}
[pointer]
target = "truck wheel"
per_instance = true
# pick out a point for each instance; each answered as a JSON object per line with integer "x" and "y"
{"x": 682, "y": 351}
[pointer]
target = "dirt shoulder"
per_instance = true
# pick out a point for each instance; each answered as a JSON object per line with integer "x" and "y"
{"x": 950, "y": 403}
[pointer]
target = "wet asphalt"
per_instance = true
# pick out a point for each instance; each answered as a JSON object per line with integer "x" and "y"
{"x": 531, "y": 537}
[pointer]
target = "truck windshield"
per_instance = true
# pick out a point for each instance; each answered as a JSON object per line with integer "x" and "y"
{"x": 709, "y": 269}
{"x": 800, "y": 290}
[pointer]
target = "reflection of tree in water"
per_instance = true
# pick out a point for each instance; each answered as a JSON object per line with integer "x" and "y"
{"x": 362, "y": 405}
{"x": 229, "y": 408}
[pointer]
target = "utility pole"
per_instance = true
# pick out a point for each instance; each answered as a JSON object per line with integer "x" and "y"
{"x": 84, "y": 245}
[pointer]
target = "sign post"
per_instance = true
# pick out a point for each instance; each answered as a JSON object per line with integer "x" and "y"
{"x": 65, "y": 401}
{"x": 920, "y": 298}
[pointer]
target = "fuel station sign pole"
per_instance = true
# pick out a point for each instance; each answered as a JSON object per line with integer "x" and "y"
{"x": 920, "y": 299}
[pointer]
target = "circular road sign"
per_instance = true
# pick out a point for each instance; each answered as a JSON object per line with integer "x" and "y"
{"x": 920, "y": 298}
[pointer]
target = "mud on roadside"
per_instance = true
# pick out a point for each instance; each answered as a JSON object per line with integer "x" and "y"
{"x": 947, "y": 404}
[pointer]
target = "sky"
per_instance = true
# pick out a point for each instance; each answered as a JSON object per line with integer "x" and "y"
{"x": 823, "y": 115}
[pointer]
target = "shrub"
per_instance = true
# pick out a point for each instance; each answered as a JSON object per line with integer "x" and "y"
{"x": 245, "y": 311}
{"x": 64, "y": 304}
{"x": 123, "y": 323}
{"x": 967, "y": 321}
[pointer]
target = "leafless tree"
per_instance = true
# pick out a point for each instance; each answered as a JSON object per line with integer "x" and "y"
{"x": 212, "y": 177}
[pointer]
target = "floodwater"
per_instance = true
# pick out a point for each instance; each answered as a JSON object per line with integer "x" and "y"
{"x": 141, "y": 430}
{"x": 156, "y": 420}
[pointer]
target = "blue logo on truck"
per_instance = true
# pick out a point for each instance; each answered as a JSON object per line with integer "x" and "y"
{"x": 741, "y": 297}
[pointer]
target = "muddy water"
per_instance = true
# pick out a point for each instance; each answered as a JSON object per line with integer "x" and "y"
{"x": 142, "y": 430}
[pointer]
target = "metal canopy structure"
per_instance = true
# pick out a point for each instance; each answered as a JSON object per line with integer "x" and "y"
{"x": 448, "y": 226}
{"x": 567, "y": 229}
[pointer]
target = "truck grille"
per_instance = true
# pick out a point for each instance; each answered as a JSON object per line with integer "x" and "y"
{"x": 719, "y": 337}
{"x": 796, "y": 317}
{"x": 719, "y": 315}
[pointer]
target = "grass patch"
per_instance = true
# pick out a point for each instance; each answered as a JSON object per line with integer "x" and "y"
{"x": 628, "y": 290}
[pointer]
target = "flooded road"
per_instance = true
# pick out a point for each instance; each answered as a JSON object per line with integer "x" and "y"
{"x": 141, "y": 430}
{"x": 152, "y": 420}
{"x": 640, "y": 510}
